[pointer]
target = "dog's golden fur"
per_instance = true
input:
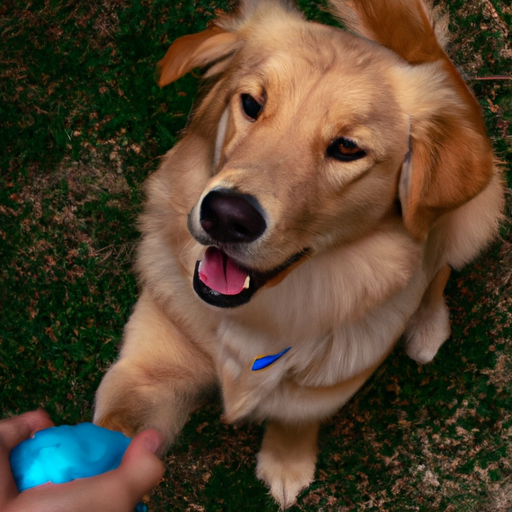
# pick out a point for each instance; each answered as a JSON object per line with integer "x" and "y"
{"x": 380, "y": 232}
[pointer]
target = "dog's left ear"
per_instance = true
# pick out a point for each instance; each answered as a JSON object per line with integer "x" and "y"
{"x": 195, "y": 50}
{"x": 450, "y": 159}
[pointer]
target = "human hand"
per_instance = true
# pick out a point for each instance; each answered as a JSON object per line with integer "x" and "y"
{"x": 116, "y": 491}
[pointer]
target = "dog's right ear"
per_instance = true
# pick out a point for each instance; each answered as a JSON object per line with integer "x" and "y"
{"x": 195, "y": 50}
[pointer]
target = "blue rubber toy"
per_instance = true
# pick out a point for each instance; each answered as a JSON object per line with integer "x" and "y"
{"x": 65, "y": 453}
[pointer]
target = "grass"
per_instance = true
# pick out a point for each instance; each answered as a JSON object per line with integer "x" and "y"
{"x": 82, "y": 124}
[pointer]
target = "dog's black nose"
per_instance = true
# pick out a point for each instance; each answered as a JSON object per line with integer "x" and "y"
{"x": 230, "y": 217}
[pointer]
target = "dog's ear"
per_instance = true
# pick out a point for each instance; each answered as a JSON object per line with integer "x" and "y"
{"x": 195, "y": 50}
{"x": 419, "y": 37}
{"x": 217, "y": 44}
{"x": 410, "y": 29}
{"x": 450, "y": 159}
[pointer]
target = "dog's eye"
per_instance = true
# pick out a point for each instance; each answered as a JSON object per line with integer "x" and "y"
{"x": 251, "y": 106}
{"x": 345, "y": 150}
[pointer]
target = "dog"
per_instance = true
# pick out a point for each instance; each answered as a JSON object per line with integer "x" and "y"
{"x": 326, "y": 183}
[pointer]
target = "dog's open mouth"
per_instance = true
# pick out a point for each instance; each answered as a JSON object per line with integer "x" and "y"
{"x": 222, "y": 282}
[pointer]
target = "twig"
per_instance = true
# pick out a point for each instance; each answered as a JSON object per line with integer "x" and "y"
{"x": 495, "y": 77}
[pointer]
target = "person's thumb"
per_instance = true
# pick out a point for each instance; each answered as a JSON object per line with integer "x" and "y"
{"x": 140, "y": 466}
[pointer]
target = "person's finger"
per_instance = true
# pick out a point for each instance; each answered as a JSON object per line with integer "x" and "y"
{"x": 12, "y": 432}
{"x": 116, "y": 491}
{"x": 140, "y": 466}
{"x": 17, "y": 429}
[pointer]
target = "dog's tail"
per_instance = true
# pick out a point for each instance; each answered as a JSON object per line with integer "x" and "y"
{"x": 408, "y": 27}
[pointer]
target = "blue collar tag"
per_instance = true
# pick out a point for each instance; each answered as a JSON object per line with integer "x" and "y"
{"x": 263, "y": 362}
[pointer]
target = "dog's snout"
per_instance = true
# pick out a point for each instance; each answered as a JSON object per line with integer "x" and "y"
{"x": 230, "y": 217}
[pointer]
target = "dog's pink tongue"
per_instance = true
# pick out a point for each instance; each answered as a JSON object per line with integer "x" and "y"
{"x": 220, "y": 273}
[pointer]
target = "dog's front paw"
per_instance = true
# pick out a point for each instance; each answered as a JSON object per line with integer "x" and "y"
{"x": 286, "y": 478}
{"x": 128, "y": 400}
{"x": 118, "y": 420}
{"x": 428, "y": 329}
{"x": 286, "y": 462}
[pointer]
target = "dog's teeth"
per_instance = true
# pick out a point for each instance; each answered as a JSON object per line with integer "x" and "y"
{"x": 247, "y": 282}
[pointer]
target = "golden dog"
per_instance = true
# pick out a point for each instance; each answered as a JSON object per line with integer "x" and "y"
{"x": 307, "y": 219}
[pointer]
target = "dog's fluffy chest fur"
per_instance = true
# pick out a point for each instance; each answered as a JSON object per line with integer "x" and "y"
{"x": 322, "y": 359}
{"x": 340, "y": 312}
{"x": 325, "y": 309}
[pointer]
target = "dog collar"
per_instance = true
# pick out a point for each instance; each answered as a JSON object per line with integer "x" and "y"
{"x": 263, "y": 362}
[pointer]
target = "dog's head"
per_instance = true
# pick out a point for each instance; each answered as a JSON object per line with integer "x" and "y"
{"x": 317, "y": 136}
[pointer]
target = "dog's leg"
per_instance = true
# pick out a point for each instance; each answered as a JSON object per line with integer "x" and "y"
{"x": 286, "y": 462}
{"x": 158, "y": 380}
{"x": 429, "y": 328}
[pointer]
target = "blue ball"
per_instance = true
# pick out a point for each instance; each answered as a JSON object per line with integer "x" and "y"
{"x": 61, "y": 454}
